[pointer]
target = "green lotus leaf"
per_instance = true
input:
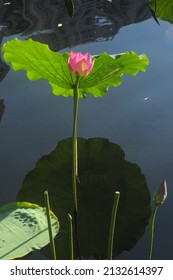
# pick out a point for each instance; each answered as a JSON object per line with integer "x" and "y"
{"x": 102, "y": 171}
{"x": 23, "y": 229}
{"x": 42, "y": 63}
{"x": 163, "y": 9}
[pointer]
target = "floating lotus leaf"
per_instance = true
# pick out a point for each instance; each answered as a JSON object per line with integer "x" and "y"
{"x": 102, "y": 171}
{"x": 23, "y": 228}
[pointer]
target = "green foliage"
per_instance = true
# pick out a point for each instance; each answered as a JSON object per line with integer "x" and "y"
{"x": 23, "y": 228}
{"x": 163, "y": 9}
{"x": 102, "y": 171}
{"x": 41, "y": 63}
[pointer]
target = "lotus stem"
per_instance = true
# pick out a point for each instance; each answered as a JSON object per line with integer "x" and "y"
{"x": 52, "y": 244}
{"x": 75, "y": 162}
{"x": 152, "y": 225}
{"x": 71, "y": 237}
{"x": 75, "y": 153}
{"x": 112, "y": 225}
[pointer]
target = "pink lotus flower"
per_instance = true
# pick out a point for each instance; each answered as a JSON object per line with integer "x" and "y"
{"x": 80, "y": 64}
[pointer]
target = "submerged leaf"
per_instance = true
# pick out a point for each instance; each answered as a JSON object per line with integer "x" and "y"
{"x": 23, "y": 228}
{"x": 41, "y": 63}
{"x": 102, "y": 171}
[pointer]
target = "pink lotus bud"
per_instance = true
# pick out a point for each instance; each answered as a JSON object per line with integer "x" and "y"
{"x": 161, "y": 193}
{"x": 80, "y": 64}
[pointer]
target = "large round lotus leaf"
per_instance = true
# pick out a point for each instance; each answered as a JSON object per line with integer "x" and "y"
{"x": 24, "y": 228}
{"x": 102, "y": 171}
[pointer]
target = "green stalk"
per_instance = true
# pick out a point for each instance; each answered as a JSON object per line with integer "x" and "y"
{"x": 112, "y": 225}
{"x": 152, "y": 224}
{"x": 75, "y": 163}
{"x": 74, "y": 153}
{"x": 71, "y": 237}
{"x": 52, "y": 244}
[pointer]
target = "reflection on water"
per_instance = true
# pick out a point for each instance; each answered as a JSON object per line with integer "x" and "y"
{"x": 52, "y": 22}
{"x": 138, "y": 115}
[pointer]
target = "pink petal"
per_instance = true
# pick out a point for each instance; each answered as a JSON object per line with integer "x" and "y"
{"x": 80, "y": 64}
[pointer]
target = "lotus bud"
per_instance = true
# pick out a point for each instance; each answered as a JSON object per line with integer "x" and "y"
{"x": 161, "y": 193}
{"x": 80, "y": 64}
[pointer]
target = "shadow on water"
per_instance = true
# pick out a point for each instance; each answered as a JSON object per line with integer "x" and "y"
{"x": 61, "y": 24}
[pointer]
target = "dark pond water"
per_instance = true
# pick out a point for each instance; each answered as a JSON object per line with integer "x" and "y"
{"x": 138, "y": 115}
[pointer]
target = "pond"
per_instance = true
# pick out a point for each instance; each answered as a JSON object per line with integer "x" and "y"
{"x": 137, "y": 115}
